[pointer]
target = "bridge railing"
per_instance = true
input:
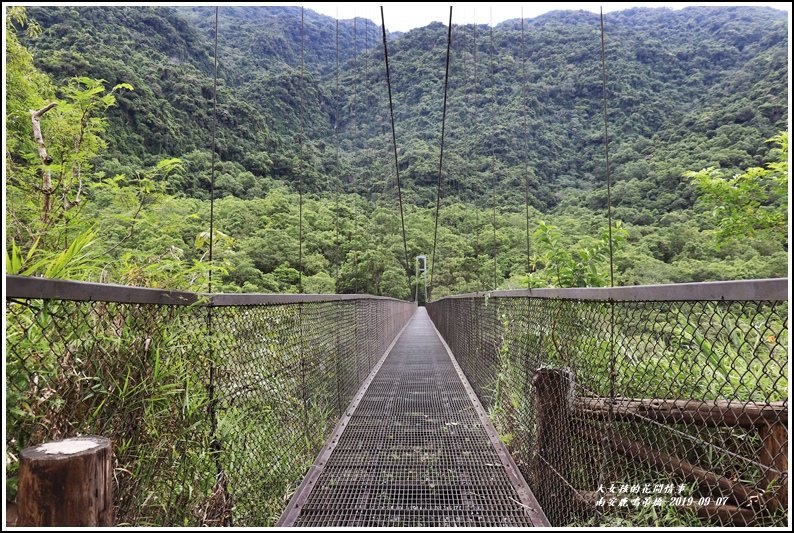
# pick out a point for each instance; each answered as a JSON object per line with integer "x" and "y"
{"x": 657, "y": 405}
{"x": 216, "y": 405}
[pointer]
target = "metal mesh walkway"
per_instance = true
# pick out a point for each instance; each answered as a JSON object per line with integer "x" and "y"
{"x": 415, "y": 449}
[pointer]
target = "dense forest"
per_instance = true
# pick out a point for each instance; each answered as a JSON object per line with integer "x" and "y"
{"x": 110, "y": 163}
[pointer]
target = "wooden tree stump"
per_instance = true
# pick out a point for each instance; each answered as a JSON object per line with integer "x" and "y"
{"x": 66, "y": 483}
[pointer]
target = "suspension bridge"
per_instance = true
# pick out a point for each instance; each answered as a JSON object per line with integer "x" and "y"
{"x": 415, "y": 448}
{"x": 543, "y": 407}
{"x": 502, "y": 408}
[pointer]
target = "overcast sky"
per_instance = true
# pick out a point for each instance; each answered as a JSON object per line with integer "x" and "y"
{"x": 403, "y": 16}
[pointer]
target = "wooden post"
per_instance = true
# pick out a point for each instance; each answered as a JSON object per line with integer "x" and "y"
{"x": 774, "y": 453}
{"x": 66, "y": 483}
{"x": 555, "y": 396}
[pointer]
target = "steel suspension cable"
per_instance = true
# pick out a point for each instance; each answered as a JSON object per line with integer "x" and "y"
{"x": 367, "y": 162}
{"x": 338, "y": 327}
{"x": 606, "y": 149}
{"x": 304, "y": 388}
{"x": 354, "y": 143}
{"x": 214, "y": 128}
{"x": 300, "y": 170}
{"x": 493, "y": 159}
{"x": 338, "y": 173}
{"x": 215, "y": 444}
{"x": 366, "y": 125}
{"x": 612, "y": 355}
{"x": 394, "y": 142}
{"x": 454, "y": 84}
{"x": 463, "y": 115}
{"x": 441, "y": 158}
{"x": 475, "y": 121}
{"x": 526, "y": 145}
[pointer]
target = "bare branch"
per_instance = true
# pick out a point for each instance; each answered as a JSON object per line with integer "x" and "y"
{"x": 40, "y": 112}
{"x": 67, "y": 205}
{"x": 46, "y": 159}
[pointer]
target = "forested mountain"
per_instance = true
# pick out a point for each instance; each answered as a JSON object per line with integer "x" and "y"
{"x": 688, "y": 89}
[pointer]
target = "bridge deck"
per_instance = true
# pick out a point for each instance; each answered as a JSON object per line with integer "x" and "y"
{"x": 415, "y": 449}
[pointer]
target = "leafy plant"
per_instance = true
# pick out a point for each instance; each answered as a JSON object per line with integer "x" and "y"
{"x": 585, "y": 268}
{"x": 749, "y": 205}
{"x": 72, "y": 263}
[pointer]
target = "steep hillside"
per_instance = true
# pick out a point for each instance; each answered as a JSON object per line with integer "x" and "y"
{"x": 682, "y": 84}
{"x": 687, "y": 89}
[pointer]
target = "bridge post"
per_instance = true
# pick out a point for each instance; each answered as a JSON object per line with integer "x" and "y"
{"x": 555, "y": 395}
{"x": 66, "y": 483}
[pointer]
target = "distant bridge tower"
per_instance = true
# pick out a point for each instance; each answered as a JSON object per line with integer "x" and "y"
{"x": 423, "y": 270}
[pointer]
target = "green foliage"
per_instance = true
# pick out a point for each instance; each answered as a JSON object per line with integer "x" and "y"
{"x": 72, "y": 263}
{"x": 149, "y": 237}
{"x": 26, "y": 87}
{"x": 47, "y": 194}
{"x": 705, "y": 90}
{"x": 735, "y": 351}
{"x": 585, "y": 268}
{"x": 732, "y": 344}
{"x": 17, "y": 15}
{"x": 697, "y": 96}
{"x": 84, "y": 368}
{"x": 749, "y": 205}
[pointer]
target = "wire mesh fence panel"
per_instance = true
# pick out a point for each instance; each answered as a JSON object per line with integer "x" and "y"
{"x": 346, "y": 364}
{"x": 304, "y": 357}
{"x": 259, "y": 380}
{"x": 124, "y": 371}
{"x": 215, "y": 412}
{"x": 634, "y": 412}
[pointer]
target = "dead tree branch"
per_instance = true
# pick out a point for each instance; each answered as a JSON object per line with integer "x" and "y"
{"x": 46, "y": 159}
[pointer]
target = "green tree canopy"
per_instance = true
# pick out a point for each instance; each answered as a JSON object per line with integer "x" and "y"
{"x": 750, "y": 205}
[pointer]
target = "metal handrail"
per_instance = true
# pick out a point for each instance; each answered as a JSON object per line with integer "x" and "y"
{"x": 775, "y": 289}
{"x": 46, "y": 288}
{"x": 59, "y": 289}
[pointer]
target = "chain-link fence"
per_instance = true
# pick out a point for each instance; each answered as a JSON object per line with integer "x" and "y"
{"x": 216, "y": 406}
{"x": 636, "y": 406}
